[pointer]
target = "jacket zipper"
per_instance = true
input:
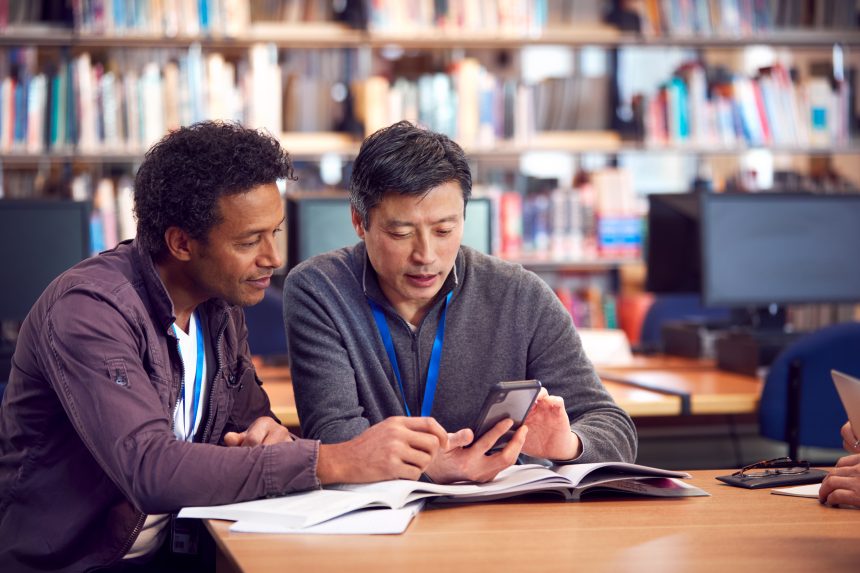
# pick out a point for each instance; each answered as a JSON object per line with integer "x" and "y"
{"x": 134, "y": 533}
{"x": 219, "y": 355}
{"x": 142, "y": 518}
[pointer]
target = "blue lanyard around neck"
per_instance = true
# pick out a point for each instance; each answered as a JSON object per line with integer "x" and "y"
{"x": 198, "y": 377}
{"x": 435, "y": 355}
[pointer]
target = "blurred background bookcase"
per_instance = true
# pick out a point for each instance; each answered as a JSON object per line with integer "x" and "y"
{"x": 571, "y": 112}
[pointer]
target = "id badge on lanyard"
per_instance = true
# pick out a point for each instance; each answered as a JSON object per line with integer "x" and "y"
{"x": 435, "y": 355}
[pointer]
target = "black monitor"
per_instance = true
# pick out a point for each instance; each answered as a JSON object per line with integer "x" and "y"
{"x": 765, "y": 249}
{"x": 672, "y": 248}
{"x": 317, "y": 224}
{"x": 38, "y": 241}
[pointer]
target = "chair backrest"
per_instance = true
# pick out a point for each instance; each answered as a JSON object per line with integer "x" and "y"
{"x": 265, "y": 320}
{"x": 2, "y": 391}
{"x": 816, "y": 415}
{"x": 684, "y": 306}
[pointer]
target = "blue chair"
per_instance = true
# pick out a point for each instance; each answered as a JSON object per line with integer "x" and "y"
{"x": 668, "y": 307}
{"x": 265, "y": 320}
{"x": 799, "y": 403}
{"x": 2, "y": 391}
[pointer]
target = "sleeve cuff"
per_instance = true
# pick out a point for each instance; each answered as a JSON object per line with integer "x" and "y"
{"x": 290, "y": 467}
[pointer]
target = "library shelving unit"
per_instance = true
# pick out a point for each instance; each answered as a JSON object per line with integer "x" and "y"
{"x": 361, "y": 46}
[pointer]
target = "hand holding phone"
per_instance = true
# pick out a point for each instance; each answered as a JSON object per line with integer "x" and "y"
{"x": 513, "y": 400}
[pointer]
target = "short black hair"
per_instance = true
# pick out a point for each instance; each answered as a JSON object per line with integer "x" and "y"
{"x": 183, "y": 176}
{"x": 407, "y": 160}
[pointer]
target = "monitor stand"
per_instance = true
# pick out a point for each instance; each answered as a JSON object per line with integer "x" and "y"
{"x": 692, "y": 338}
{"x": 760, "y": 337}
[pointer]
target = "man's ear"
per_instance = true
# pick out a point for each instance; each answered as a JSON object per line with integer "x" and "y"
{"x": 179, "y": 243}
{"x": 357, "y": 223}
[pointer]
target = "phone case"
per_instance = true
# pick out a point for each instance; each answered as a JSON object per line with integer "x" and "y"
{"x": 498, "y": 406}
{"x": 811, "y": 476}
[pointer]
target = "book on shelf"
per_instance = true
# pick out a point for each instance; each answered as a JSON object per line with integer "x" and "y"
{"x": 770, "y": 108}
{"x": 569, "y": 482}
{"x": 734, "y": 18}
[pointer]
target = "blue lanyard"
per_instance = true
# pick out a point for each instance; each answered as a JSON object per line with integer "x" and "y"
{"x": 198, "y": 378}
{"x": 435, "y": 355}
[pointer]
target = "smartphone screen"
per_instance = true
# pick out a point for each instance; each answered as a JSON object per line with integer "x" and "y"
{"x": 512, "y": 400}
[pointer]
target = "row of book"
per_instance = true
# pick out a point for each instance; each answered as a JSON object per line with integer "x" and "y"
{"x": 469, "y": 104}
{"x": 477, "y": 108}
{"x": 125, "y": 100}
{"x": 192, "y": 18}
{"x": 503, "y": 17}
{"x": 590, "y": 305}
{"x": 741, "y": 17}
{"x": 129, "y": 101}
{"x": 599, "y": 217}
{"x": 770, "y": 108}
{"x": 232, "y": 18}
{"x": 812, "y": 317}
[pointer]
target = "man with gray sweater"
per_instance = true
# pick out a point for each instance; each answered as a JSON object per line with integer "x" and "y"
{"x": 409, "y": 322}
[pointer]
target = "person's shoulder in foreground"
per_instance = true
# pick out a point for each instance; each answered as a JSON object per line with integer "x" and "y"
{"x": 364, "y": 323}
{"x": 133, "y": 367}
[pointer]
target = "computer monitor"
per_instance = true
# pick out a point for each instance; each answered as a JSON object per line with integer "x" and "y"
{"x": 761, "y": 249}
{"x": 672, "y": 249}
{"x": 38, "y": 241}
{"x": 317, "y": 224}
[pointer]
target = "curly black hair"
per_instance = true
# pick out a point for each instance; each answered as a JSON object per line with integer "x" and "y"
{"x": 405, "y": 159}
{"x": 183, "y": 176}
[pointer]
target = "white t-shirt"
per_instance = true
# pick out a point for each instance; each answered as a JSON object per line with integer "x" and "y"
{"x": 155, "y": 527}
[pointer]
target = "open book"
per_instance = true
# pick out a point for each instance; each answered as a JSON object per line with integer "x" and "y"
{"x": 302, "y": 510}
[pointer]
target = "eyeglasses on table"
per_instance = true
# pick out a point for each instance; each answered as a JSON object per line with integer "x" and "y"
{"x": 776, "y": 466}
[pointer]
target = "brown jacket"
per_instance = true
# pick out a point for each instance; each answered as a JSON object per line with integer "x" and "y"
{"x": 86, "y": 444}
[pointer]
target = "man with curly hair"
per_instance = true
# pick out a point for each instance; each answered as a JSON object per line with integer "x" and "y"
{"x": 133, "y": 367}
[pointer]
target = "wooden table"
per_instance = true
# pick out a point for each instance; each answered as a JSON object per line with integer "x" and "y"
{"x": 737, "y": 530}
{"x": 706, "y": 391}
{"x": 648, "y": 386}
{"x": 636, "y": 401}
{"x": 660, "y": 362}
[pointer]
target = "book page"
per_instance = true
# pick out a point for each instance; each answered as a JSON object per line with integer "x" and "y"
{"x": 291, "y": 511}
{"x": 399, "y": 492}
{"x": 588, "y": 474}
{"x": 655, "y": 487}
{"x": 377, "y": 521}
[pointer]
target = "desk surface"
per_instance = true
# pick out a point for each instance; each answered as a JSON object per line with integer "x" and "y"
{"x": 707, "y": 391}
{"x": 737, "y": 530}
{"x": 647, "y": 386}
{"x": 636, "y": 401}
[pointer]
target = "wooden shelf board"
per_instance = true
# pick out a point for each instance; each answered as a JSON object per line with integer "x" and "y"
{"x": 414, "y": 37}
{"x": 572, "y": 265}
{"x": 333, "y": 34}
{"x": 315, "y": 144}
{"x": 799, "y": 37}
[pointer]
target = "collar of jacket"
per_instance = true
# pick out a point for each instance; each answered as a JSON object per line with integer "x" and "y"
{"x": 372, "y": 290}
{"x": 162, "y": 305}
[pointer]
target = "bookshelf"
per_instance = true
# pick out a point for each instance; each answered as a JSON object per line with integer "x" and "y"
{"x": 319, "y": 51}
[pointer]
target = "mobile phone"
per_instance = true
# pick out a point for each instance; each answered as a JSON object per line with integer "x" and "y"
{"x": 513, "y": 400}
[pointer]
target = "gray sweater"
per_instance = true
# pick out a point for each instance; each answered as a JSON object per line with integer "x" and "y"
{"x": 503, "y": 323}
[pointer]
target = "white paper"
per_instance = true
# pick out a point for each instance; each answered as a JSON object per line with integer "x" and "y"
{"x": 809, "y": 490}
{"x": 361, "y": 522}
{"x": 291, "y": 511}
